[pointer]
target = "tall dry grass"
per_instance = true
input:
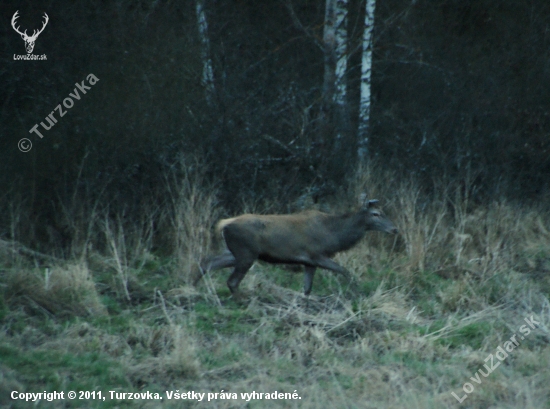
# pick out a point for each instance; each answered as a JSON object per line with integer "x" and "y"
{"x": 191, "y": 214}
{"x": 445, "y": 228}
{"x": 64, "y": 290}
{"x": 128, "y": 247}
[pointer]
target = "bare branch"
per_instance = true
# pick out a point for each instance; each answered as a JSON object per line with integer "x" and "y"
{"x": 298, "y": 24}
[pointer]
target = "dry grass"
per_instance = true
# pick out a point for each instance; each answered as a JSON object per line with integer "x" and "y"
{"x": 192, "y": 215}
{"x": 68, "y": 290}
{"x": 128, "y": 249}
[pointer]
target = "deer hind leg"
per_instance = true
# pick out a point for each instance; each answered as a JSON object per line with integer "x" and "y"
{"x": 224, "y": 260}
{"x": 308, "y": 278}
{"x": 215, "y": 263}
{"x": 245, "y": 250}
{"x": 241, "y": 268}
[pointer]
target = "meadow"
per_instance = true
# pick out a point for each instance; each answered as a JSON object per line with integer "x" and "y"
{"x": 428, "y": 323}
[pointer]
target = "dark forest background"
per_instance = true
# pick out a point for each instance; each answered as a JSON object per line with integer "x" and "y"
{"x": 460, "y": 89}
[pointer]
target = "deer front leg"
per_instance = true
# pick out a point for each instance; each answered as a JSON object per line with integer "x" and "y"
{"x": 327, "y": 263}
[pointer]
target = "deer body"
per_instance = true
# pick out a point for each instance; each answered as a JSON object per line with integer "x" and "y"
{"x": 310, "y": 238}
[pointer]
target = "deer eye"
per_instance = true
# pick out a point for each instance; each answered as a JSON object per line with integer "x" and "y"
{"x": 376, "y": 214}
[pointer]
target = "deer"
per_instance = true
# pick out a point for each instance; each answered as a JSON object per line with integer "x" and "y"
{"x": 309, "y": 238}
{"x": 29, "y": 40}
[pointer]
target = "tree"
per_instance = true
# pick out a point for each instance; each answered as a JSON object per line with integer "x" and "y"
{"x": 335, "y": 106}
{"x": 207, "y": 70}
{"x": 366, "y": 69}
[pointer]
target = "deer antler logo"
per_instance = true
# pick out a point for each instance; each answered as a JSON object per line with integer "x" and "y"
{"x": 29, "y": 40}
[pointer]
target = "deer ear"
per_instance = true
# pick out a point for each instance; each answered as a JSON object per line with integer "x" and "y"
{"x": 373, "y": 203}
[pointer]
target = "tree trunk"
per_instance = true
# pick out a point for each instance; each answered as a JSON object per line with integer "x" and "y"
{"x": 335, "y": 123}
{"x": 207, "y": 70}
{"x": 366, "y": 69}
{"x": 340, "y": 82}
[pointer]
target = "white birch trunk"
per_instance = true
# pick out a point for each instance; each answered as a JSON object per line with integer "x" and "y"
{"x": 335, "y": 109}
{"x": 335, "y": 38}
{"x": 366, "y": 69}
{"x": 207, "y": 70}
{"x": 340, "y": 51}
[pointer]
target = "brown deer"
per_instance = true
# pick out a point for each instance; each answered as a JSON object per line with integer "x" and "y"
{"x": 310, "y": 238}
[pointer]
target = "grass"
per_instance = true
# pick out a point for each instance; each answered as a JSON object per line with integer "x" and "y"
{"x": 426, "y": 311}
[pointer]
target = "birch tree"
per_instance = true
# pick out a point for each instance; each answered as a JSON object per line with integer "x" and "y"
{"x": 207, "y": 70}
{"x": 366, "y": 69}
{"x": 335, "y": 38}
{"x": 335, "y": 50}
{"x": 341, "y": 54}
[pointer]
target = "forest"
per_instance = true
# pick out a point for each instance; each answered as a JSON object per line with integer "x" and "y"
{"x": 130, "y": 128}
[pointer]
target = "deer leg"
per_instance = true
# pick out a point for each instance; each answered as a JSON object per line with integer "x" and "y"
{"x": 215, "y": 263}
{"x": 308, "y": 278}
{"x": 238, "y": 274}
{"x": 222, "y": 261}
{"x": 244, "y": 250}
{"x": 327, "y": 263}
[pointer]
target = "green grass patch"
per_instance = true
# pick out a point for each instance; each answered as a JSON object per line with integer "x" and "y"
{"x": 293, "y": 280}
{"x": 211, "y": 319}
{"x": 471, "y": 335}
{"x": 114, "y": 324}
{"x": 220, "y": 357}
{"x": 410, "y": 360}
